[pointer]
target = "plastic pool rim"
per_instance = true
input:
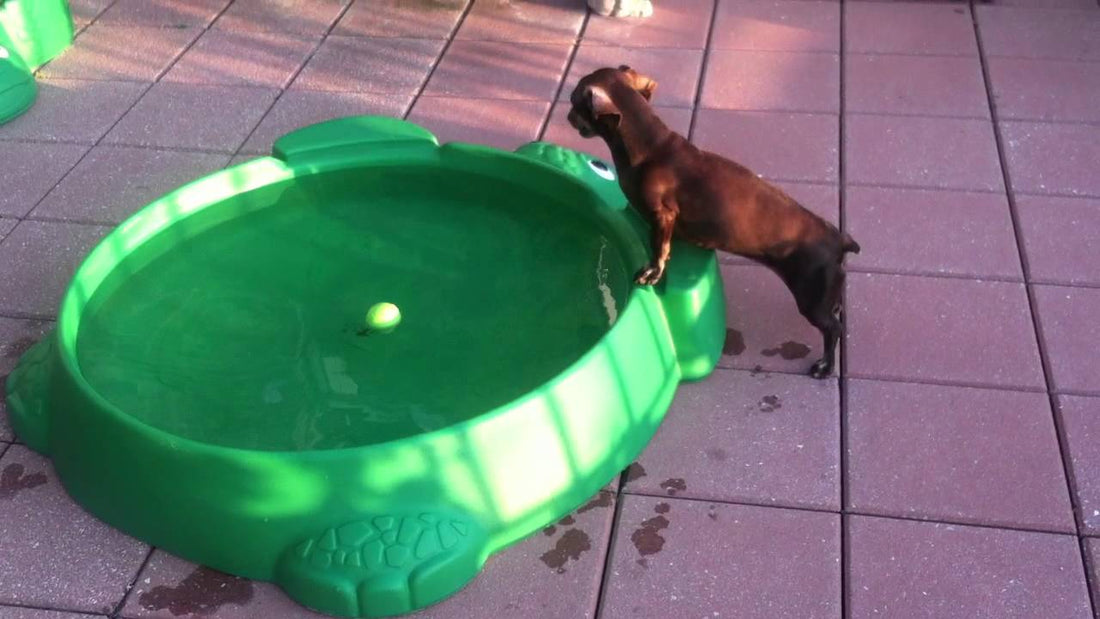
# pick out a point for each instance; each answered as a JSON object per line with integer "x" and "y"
{"x": 221, "y": 506}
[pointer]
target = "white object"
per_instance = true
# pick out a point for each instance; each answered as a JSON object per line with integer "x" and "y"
{"x": 622, "y": 8}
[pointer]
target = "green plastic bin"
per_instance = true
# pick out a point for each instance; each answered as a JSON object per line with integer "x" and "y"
{"x": 31, "y": 33}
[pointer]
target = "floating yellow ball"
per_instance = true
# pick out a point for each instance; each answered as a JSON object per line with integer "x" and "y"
{"x": 383, "y": 317}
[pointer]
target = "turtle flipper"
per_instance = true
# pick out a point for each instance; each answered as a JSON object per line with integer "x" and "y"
{"x": 383, "y": 565}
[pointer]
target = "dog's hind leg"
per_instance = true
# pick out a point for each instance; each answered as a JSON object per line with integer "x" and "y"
{"x": 816, "y": 284}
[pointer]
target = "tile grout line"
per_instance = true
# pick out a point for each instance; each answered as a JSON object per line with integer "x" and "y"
{"x": 953, "y": 189}
{"x": 541, "y": 133}
{"x": 133, "y": 584}
{"x": 148, "y": 86}
{"x": 945, "y": 383}
{"x": 697, "y": 100}
{"x": 439, "y": 59}
{"x": 31, "y": 606}
{"x": 842, "y": 364}
{"x": 913, "y": 381}
{"x": 95, "y": 19}
{"x": 971, "y": 277}
{"x": 1090, "y": 565}
{"x": 863, "y": 514}
{"x": 616, "y": 522}
{"x": 290, "y": 80}
{"x": 1059, "y": 429}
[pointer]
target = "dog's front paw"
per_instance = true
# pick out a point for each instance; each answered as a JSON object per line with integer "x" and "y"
{"x": 650, "y": 275}
{"x": 822, "y": 368}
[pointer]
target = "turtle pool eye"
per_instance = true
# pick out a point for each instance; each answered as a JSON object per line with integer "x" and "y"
{"x": 601, "y": 169}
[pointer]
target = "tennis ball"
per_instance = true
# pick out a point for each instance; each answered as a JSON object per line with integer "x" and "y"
{"x": 383, "y": 317}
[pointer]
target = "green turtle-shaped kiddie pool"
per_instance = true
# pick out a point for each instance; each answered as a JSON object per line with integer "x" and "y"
{"x": 359, "y": 367}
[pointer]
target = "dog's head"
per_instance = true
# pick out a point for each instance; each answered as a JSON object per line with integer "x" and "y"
{"x": 593, "y": 107}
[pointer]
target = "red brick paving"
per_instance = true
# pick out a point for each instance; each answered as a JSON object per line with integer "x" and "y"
{"x": 936, "y": 477}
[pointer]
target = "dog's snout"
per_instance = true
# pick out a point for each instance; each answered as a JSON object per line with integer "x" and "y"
{"x": 580, "y": 124}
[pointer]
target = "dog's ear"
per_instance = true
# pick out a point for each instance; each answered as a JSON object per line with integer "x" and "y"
{"x": 644, "y": 85}
{"x": 601, "y": 105}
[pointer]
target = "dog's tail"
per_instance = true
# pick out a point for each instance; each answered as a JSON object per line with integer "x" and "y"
{"x": 849, "y": 244}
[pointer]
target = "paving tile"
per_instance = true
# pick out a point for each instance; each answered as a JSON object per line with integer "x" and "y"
{"x": 6, "y": 225}
{"x": 1092, "y": 563}
{"x": 1069, "y": 331}
{"x": 52, "y": 553}
{"x": 1049, "y": 4}
{"x": 74, "y": 110}
{"x": 1046, "y": 158}
{"x": 799, "y": 147}
{"x": 31, "y": 169}
{"x": 821, "y": 199}
{"x": 945, "y": 153}
{"x": 925, "y": 85}
{"x": 764, "y": 329}
{"x": 298, "y": 108}
{"x": 124, "y": 53}
{"x": 676, "y": 71}
{"x": 505, "y": 124}
{"x": 943, "y": 330}
{"x": 170, "y": 587}
{"x": 1081, "y": 431}
{"x": 680, "y": 23}
{"x": 498, "y": 70}
{"x": 16, "y": 336}
{"x": 745, "y": 438}
{"x": 37, "y": 261}
{"x": 777, "y": 25}
{"x": 909, "y": 28}
{"x": 193, "y": 116}
{"x": 401, "y": 18}
{"x": 1045, "y": 89}
{"x": 559, "y": 131}
{"x": 772, "y": 81}
{"x": 380, "y": 65}
{"x": 955, "y": 454}
{"x": 85, "y": 11}
{"x": 924, "y": 569}
{"x": 239, "y": 159}
{"x": 312, "y": 17}
{"x": 1061, "y": 239}
{"x": 926, "y": 232}
{"x": 113, "y": 182}
{"x": 675, "y": 558}
{"x": 242, "y": 58}
{"x": 163, "y": 13}
{"x": 528, "y": 579}
{"x": 555, "y": 573}
{"x": 17, "y": 612}
{"x": 1064, "y": 35}
{"x": 7, "y": 435}
{"x": 546, "y": 21}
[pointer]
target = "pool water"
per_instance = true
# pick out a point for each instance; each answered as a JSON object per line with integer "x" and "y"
{"x": 244, "y": 328}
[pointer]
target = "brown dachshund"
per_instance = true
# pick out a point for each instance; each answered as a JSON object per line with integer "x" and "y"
{"x": 711, "y": 201}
